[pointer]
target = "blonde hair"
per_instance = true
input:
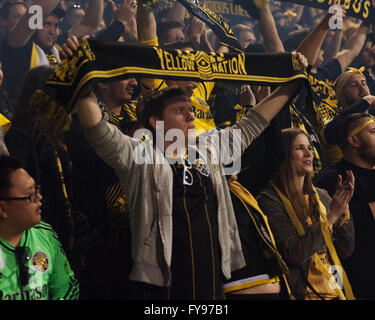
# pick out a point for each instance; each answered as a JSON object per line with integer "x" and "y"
{"x": 343, "y": 78}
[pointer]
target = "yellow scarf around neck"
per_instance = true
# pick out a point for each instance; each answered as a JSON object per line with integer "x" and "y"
{"x": 245, "y": 196}
{"x": 328, "y": 240}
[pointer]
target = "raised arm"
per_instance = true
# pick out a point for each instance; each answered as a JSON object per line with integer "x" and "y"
{"x": 91, "y": 21}
{"x": 353, "y": 46}
{"x": 311, "y": 45}
{"x": 87, "y": 106}
{"x": 331, "y": 50}
{"x": 176, "y": 13}
{"x": 270, "y": 106}
{"x": 196, "y": 32}
{"x": 205, "y": 44}
{"x": 88, "y": 111}
{"x": 125, "y": 13}
{"x": 258, "y": 118}
{"x": 22, "y": 33}
{"x": 146, "y": 24}
{"x": 268, "y": 31}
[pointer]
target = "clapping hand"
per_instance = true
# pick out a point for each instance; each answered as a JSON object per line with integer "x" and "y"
{"x": 340, "y": 201}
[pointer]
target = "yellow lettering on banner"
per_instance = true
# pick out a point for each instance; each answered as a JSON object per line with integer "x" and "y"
{"x": 241, "y": 64}
{"x": 242, "y": 12}
{"x": 321, "y": 1}
{"x": 160, "y": 54}
{"x": 230, "y": 65}
{"x": 178, "y": 64}
{"x": 222, "y": 7}
{"x": 184, "y": 64}
{"x": 217, "y": 6}
{"x": 181, "y": 65}
{"x": 227, "y": 28}
{"x": 347, "y": 4}
{"x": 225, "y": 66}
{"x": 234, "y": 66}
{"x": 232, "y": 9}
{"x": 191, "y": 65}
{"x": 357, "y": 8}
{"x": 366, "y": 7}
{"x": 173, "y": 66}
{"x": 167, "y": 60}
{"x": 214, "y": 67}
{"x": 225, "y": 8}
{"x": 211, "y": 5}
{"x": 213, "y": 63}
{"x": 221, "y": 70}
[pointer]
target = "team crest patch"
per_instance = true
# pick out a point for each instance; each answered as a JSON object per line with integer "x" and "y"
{"x": 40, "y": 261}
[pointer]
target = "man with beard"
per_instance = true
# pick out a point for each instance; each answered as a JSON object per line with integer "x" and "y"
{"x": 353, "y": 96}
{"x": 355, "y": 134}
{"x": 350, "y": 87}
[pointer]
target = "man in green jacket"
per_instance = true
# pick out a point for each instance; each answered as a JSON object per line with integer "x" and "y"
{"x": 33, "y": 265}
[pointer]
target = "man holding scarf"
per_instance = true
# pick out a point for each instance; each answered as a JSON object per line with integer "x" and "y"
{"x": 154, "y": 213}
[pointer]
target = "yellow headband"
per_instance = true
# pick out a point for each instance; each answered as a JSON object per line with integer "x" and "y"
{"x": 360, "y": 128}
{"x": 340, "y": 82}
{"x": 290, "y": 14}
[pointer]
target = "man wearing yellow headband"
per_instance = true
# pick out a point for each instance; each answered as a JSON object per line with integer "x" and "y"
{"x": 355, "y": 133}
{"x": 351, "y": 86}
{"x": 353, "y": 96}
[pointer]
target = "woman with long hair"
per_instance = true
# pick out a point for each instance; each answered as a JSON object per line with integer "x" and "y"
{"x": 40, "y": 144}
{"x": 311, "y": 230}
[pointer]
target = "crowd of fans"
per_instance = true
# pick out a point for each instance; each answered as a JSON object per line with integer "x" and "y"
{"x": 78, "y": 217}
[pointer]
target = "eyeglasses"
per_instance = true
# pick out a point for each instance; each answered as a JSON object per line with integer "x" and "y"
{"x": 31, "y": 198}
{"x": 187, "y": 177}
{"x": 23, "y": 255}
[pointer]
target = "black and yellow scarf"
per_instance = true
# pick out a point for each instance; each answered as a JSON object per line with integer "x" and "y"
{"x": 362, "y": 10}
{"x": 127, "y": 118}
{"x": 217, "y": 24}
{"x": 345, "y": 294}
{"x": 260, "y": 223}
{"x": 69, "y": 225}
{"x": 221, "y": 29}
{"x": 104, "y": 60}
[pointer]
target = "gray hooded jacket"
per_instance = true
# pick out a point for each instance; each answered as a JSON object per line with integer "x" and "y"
{"x": 148, "y": 189}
